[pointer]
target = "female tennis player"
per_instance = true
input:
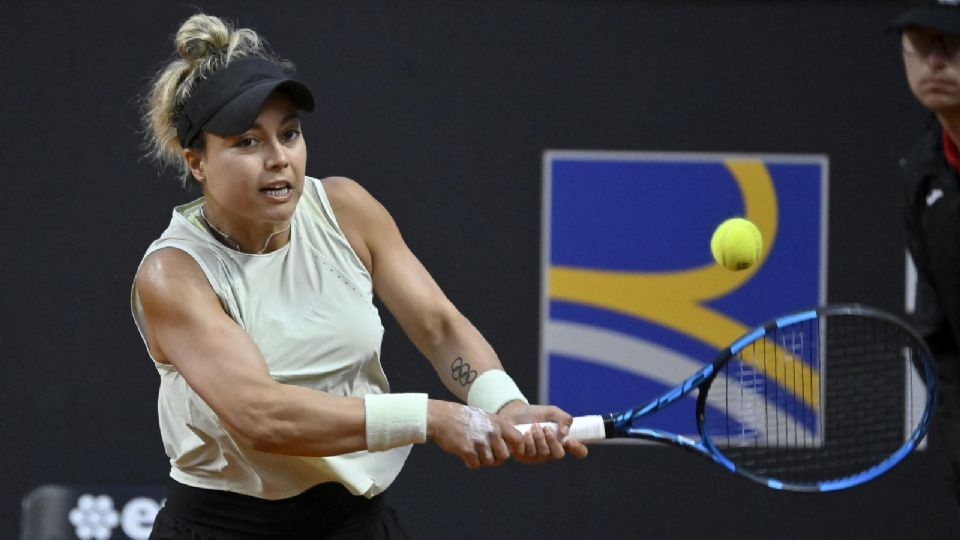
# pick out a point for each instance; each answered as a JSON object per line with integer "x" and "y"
{"x": 256, "y": 305}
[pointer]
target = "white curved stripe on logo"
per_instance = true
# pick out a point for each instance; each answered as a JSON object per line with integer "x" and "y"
{"x": 614, "y": 349}
{"x": 656, "y": 362}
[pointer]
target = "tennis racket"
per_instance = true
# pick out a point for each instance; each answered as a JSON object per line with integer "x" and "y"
{"x": 816, "y": 401}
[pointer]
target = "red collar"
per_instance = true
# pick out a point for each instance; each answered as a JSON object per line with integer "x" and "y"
{"x": 950, "y": 151}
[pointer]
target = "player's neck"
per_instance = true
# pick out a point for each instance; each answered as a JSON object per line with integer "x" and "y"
{"x": 243, "y": 243}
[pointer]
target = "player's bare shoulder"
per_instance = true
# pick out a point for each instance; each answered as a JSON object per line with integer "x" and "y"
{"x": 359, "y": 215}
{"x": 171, "y": 288}
{"x": 168, "y": 277}
{"x": 347, "y": 196}
{"x": 353, "y": 205}
{"x": 164, "y": 267}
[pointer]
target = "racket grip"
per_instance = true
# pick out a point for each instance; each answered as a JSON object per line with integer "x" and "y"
{"x": 584, "y": 428}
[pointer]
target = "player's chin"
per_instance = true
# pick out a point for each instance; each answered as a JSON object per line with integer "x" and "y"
{"x": 281, "y": 211}
{"x": 940, "y": 102}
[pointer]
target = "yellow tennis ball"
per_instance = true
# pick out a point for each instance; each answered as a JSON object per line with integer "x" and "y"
{"x": 736, "y": 244}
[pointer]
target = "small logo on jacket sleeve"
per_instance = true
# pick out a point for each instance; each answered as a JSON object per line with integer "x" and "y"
{"x": 935, "y": 194}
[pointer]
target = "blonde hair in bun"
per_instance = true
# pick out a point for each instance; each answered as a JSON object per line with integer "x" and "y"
{"x": 204, "y": 44}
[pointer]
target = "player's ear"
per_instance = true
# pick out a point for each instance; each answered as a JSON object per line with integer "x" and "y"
{"x": 195, "y": 162}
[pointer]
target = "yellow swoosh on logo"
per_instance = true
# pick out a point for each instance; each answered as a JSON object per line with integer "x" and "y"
{"x": 676, "y": 299}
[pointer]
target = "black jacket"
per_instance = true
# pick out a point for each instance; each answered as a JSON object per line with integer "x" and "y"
{"x": 932, "y": 217}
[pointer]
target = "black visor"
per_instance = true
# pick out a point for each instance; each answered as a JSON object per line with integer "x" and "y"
{"x": 229, "y": 101}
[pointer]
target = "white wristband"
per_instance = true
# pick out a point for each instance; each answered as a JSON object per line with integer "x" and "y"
{"x": 395, "y": 420}
{"x": 492, "y": 390}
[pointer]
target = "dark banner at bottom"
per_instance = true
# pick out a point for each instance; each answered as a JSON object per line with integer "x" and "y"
{"x": 90, "y": 512}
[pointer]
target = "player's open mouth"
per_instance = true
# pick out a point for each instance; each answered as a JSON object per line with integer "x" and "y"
{"x": 278, "y": 191}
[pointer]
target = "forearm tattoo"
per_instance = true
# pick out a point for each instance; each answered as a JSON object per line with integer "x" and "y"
{"x": 462, "y": 372}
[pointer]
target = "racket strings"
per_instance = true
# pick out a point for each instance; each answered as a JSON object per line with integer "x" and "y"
{"x": 817, "y": 400}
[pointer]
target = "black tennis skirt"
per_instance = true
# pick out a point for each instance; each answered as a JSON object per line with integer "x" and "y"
{"x": 323, "y": 512}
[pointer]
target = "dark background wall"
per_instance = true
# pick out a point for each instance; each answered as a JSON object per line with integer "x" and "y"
{"x": 442, "y": 109}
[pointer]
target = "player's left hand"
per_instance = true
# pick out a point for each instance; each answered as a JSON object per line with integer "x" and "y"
{"x": 539, "y": 444}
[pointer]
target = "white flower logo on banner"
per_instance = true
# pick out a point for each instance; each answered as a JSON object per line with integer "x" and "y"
{"x": 94, "y": 517}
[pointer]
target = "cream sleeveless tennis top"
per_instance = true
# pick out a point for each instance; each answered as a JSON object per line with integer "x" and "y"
{"x": 309, "y": 308}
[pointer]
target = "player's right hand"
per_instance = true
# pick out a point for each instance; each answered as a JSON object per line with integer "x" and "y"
{"x": 479, "y": 439}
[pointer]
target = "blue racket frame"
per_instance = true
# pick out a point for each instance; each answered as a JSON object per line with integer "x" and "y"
{"x": 620, "y": 425}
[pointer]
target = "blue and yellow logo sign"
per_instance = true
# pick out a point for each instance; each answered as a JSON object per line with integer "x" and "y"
{"x": 633, "y": 302}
